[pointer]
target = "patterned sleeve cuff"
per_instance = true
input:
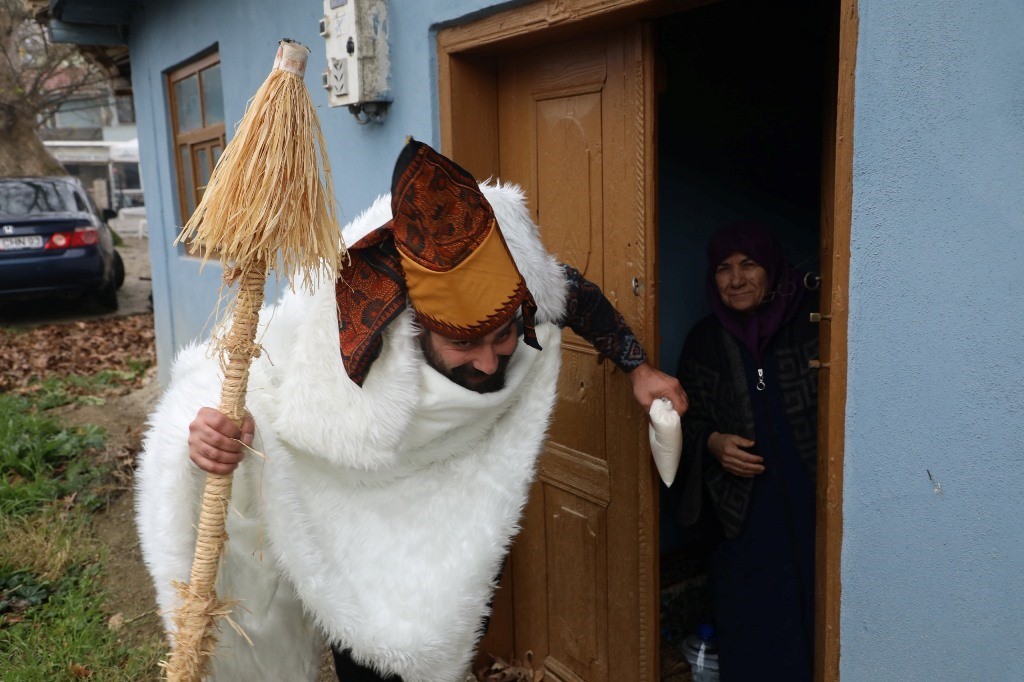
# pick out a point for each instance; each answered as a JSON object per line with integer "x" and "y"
{"x": 633, "y": 355}
{"x": 591, "y": 315}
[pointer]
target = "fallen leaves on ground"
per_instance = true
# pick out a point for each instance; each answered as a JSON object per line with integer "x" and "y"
{"x": 512, "y": 671}
{"x": 79, "y": 671}
{"x": 82, "y": 347}
{"x": 116, "y": 622}
{"x": 123, "y": 457}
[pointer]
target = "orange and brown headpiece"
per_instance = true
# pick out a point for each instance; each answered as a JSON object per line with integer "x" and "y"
{"x": 442, "y": 253}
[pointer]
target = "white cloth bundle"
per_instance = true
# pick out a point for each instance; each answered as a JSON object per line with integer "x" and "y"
{"x": 666, "y": 434}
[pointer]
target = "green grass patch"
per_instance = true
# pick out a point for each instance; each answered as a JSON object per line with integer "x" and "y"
{"x": 42, "y": 460}
{"x": 48, "y": 542}
{"x": 81, "y": 389}
{"x": 57, "y": 630}
{"x": 53, "y": 621}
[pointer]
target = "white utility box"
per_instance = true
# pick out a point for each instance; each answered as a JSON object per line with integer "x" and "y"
{"x": 358, "y": 61}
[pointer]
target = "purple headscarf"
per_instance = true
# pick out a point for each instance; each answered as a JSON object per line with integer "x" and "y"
{"x": 786, "y": 288}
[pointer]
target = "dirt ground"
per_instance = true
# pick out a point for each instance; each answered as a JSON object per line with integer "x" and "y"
{"x": 130, "y": 591}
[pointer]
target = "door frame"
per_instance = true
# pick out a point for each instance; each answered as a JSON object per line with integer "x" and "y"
{"x": 467, "y": 107}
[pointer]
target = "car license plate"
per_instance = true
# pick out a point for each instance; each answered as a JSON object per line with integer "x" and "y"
{"x": 32, "y": 241}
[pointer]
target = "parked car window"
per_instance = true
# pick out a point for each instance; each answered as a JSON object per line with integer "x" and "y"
{"x": 28, "y": 197}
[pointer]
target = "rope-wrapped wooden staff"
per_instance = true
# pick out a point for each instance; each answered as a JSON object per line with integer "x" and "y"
{"x": 269, "y": 204}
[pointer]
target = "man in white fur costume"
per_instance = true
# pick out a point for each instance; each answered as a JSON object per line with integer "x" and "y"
{"x": 400, "y": 419}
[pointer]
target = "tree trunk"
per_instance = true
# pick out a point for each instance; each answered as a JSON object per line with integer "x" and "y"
{"x": 22, "y": 153}
{"x": 36, "y": 76}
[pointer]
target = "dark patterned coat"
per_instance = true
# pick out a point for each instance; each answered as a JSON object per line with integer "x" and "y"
{"x": 715, "y": 377}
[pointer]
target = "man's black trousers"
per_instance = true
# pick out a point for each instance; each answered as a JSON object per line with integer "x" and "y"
{"x": 350, "y": 671}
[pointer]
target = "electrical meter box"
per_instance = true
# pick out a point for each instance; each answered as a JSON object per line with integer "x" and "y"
{"x": 358, "y": 61}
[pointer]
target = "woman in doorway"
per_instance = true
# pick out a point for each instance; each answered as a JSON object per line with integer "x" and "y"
{"x": 751, "y": 447}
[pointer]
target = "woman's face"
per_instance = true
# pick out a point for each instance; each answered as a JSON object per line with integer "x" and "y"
{"x": 741, "y": 282}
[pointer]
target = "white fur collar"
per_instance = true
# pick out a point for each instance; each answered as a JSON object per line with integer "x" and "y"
{"x": 398, "y": 563}
{"x": 404, "y": 407}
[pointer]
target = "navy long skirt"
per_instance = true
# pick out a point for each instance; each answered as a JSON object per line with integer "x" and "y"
{"x": 763, "y": 580}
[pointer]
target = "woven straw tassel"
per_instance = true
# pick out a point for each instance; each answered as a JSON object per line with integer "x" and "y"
{"x": 269, "y": 204}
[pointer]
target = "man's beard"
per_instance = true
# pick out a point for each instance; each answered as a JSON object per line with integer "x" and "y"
{"x": 466, "y": 375}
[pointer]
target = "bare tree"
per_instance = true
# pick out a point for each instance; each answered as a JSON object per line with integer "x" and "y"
{"x": 36, "y": 77}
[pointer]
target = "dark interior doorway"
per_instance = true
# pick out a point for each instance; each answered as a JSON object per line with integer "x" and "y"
{"x": 741, "y": 115}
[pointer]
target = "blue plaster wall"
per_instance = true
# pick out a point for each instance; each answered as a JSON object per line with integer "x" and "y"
{"x": 932, "y": 581}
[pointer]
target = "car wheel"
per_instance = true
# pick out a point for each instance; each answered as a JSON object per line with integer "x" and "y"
{"x": 118, "y": 270}
{"x": 107, "y": 296}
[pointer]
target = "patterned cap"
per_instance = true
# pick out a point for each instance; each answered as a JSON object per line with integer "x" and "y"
{"x": 442, "y": 252}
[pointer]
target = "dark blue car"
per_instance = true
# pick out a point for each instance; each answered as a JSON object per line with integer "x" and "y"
{"x": 53, "y": 241}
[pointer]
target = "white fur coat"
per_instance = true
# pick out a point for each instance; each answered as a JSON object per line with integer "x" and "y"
{"x": 379, "y": 516}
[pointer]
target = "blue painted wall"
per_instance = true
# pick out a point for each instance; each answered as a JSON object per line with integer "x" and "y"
{"x": 932, "y": 581}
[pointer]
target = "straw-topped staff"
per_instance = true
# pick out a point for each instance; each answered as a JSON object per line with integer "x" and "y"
{"x": 269, "y": 205}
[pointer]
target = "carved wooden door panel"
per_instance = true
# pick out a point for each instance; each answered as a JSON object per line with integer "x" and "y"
{"x": 574, "y": 127}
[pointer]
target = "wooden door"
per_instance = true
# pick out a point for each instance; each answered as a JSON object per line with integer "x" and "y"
{"x": 573, "y": 130}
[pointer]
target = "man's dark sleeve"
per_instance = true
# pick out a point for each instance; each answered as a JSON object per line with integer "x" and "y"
{"x": 591, "y": 315}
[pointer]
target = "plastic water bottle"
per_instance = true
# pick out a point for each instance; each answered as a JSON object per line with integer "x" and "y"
{"x": 702, "y": 654}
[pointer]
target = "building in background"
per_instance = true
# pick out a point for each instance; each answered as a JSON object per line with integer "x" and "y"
{"x": 889, "y": 152}
{"x": 94, "y": 137}
{"x": 93, "y": 134}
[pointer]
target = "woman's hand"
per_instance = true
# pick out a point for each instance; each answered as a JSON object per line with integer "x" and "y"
{"x": 649, "y": 384}
{"x": 215, "y": 444}
{"x": 728, "y": 448}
